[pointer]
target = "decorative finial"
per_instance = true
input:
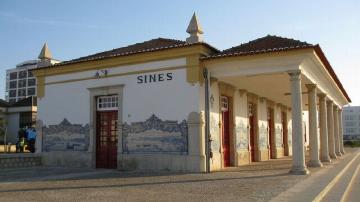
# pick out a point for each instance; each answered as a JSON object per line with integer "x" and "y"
{"x": 195, "y": 30}
{"x": 45, "y": 53}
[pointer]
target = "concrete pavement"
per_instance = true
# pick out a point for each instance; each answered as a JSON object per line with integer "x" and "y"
{"x": 261, "y": 181}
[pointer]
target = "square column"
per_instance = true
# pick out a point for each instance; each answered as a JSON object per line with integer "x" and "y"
{"x": 336, "y": 132}
{"x": 324, "y": 147}
{"x": 313, "y": 125}
{"x": 341, "y": 132}
{"x": 298, "y": 158}
{"x": 330, "y": 123}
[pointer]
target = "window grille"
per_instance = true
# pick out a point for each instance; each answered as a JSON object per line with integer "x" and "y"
{"x": 224, "y": 103}
{"x": 107, "y": 103}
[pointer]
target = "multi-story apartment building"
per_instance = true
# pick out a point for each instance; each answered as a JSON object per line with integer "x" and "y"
{"x": 351, "y": 119}
{"x": 20, "y": 82}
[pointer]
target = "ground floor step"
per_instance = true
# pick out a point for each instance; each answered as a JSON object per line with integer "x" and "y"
{"x": 19, "y": 160}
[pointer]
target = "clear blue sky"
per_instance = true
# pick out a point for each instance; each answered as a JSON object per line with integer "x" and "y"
{"x": 78, "y": 28}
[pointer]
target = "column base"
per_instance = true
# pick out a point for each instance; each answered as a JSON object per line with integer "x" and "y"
{"x": 338, "y": 154}
{"x": 299, "y": 171}
{"x": 333, "y": 156}
{"x": 343, "y": 152}
{"x": 314, "y": 163}
{"x": 325, "y": 159}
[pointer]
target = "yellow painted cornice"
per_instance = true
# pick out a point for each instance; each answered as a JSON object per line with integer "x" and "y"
{"x": 186, "y": 51}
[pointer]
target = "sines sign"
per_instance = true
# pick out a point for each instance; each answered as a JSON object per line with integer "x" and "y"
{"x": 152, "y": 78}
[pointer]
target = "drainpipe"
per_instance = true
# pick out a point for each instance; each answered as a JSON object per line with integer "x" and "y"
{"x": 207, "y": 120}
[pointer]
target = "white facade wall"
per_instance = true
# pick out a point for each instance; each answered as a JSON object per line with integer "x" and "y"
{"x": 215, "y": 129}
{"x": 170, "y": 100}
{"x": 68, "y": 97}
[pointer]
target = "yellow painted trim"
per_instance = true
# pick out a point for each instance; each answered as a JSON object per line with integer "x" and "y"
{"x": 117, "y": 75}
{"x": 191, "y": 53}
{"x": 255, "y": 56}
{"x": 124, "y": 60}
{"x": 193, "y": 73}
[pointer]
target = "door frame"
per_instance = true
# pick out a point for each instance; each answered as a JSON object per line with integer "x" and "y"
{"x": 228, "y": 91}
{"x": 253, "y": 150}
{"x": 229, "y": 114}
{"x": 103, "y": 91}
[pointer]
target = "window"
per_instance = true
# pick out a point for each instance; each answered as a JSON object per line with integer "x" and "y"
{"x": 27, "y": 119}
{"x": 107, "y": 103}
{"x": 349, "y": 117}
{"x": 31, "y": 82}
{"x": 31, "y": 91}
{"x": 13, "y": 75}
{"x": 13, "y": 84}
{"x": 349, "y": 123}
{"x": 22, "y": 92}
{"x": 12, "y": 93}
{"x": 251, "y": 109}
{"x": 30, "y": 74}
{"x": 22, "y": 83}
{"x": 350, "y": 130}
{"x": 224, "y": 103}
{"x": 22, "y": 74}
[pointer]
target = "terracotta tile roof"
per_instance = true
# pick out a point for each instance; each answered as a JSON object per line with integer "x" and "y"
{"x": 146, "y": 46}
{"x": 265, "y": 44}
{"x": 271, "y": 43}
{"x": 26, "y": 102}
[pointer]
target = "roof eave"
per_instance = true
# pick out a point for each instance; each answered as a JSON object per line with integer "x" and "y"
{"x": 331, "y": 71}
{"x": 211, "y": 48}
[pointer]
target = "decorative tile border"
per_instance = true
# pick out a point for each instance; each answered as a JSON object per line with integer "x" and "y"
{"x": 242, "y": 141}
{"x": 66, "y": 137}
{"x": 155, "y": 136}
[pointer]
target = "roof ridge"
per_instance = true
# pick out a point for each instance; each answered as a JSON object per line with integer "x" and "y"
{"x": 268, "y": 36}
{"x": 123, "y": 47}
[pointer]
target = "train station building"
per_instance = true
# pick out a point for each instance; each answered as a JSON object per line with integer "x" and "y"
{"x": 184, "y": 105}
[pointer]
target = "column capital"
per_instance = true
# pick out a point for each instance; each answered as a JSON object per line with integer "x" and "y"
{"x": 336, "y": 108}
{"x": 294, "y": 74}
{"x": 330, "y": 102}
{"x": 310, "y": 86}
{"x": 322, "y": 96}
{"x": 242, "y": 92}
{"x": 262, "y": 99}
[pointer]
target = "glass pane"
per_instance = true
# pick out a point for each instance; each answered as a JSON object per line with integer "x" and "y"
{"x": 12, "y": 93}
{"x": 13, "y": 84}
{"x": 31, "y": 91}
{"x": 22, "y": 83}
{"x": 22, "y": 74}
{"x": 31, "y": 82}
{"x": 13, "y": 75}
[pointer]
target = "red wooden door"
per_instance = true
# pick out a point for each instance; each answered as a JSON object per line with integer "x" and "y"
{"x": 225, "y": 130}
{"x": 252, "y": 131}
{"x": 226, "y": 137}
{"x": 271, "y": 134}
{"x": 106, "y": 139}
{"x": 284, "y": 133}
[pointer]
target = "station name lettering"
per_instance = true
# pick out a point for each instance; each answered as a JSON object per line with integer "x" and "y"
{"x": 152, "y": 78}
